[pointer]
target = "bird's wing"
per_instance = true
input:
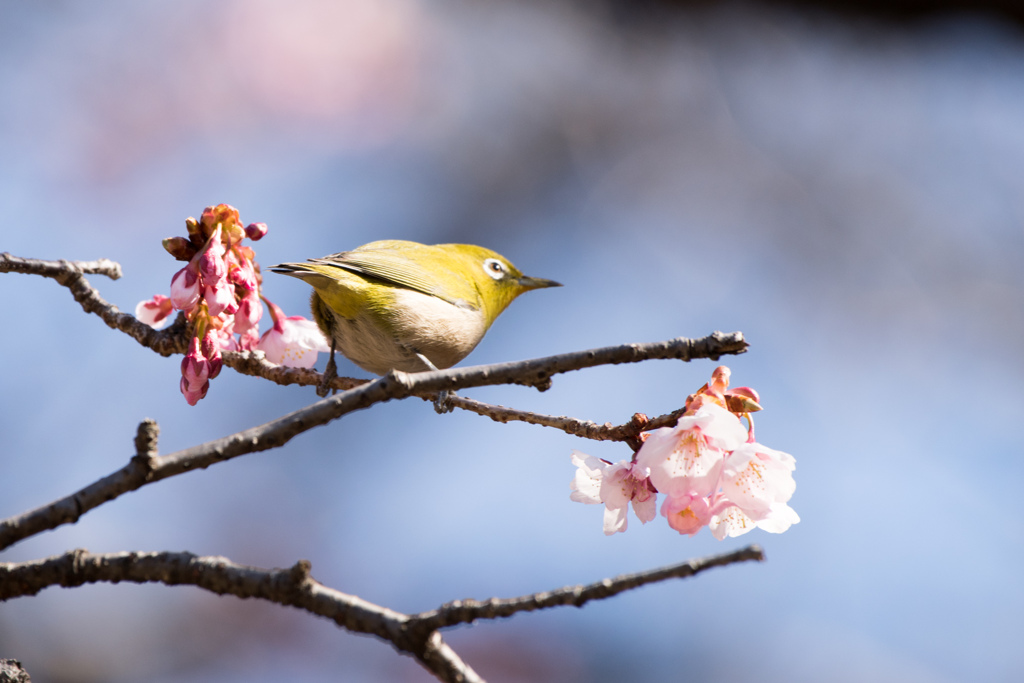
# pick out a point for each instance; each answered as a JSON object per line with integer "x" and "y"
{"x": 401, "y": 272}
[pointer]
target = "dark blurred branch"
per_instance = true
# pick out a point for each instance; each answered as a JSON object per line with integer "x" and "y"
{"x": 11, "y": 671}
{"x": 895, "y": 12}
{"x": 417, "y": 635}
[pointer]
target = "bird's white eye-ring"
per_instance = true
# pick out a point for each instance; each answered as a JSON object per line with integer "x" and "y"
{"x": 494, "y": 268}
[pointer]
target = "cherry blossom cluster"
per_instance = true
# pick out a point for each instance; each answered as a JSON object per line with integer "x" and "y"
{"x": 709, "y": 468}
{"x": 219, "y": 291}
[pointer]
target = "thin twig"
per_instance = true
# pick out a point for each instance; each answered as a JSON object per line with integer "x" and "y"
{"x": 56, "y": 269}
{"x": 255, "y": 364}
{"x": 467, "y": 611}
{"x": 585, "y": 429}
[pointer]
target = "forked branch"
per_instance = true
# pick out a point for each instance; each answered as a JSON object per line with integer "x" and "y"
{"x": 417, "y": 635}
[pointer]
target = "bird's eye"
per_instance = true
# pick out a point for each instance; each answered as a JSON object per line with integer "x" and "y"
{"x": 494, "y": 268}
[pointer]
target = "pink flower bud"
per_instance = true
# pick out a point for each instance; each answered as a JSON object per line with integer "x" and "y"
{"x": 241, "y": 273}
{"x": 226, "y": 217}
{"x": 255, "y": 231}
{"x": 211, "y": 264}
{"x": 250, "y": 310}
{"x": 193, "y": 395}
{"x": 185, "y": 288}
{"x": 225, "y": 214}
{"x": 220, "y": 297}
{"x": 210, "y": 347}
{"x": 195, "y": 369}
{"x": 154, "y": 312}
{"x": 686, "y": 513}
{"x": 248, "y": 340}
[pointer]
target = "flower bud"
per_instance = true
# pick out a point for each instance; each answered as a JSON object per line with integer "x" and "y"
{"x": 210, "y": 348}
{"x": 250, "y": 310}
{"x": 255, "y": 231}
{"x": 742, "y": 400}
{"x": 195, "y": 232}
{"x": 180, "y": 248}
{"x": 241, "y": 273}
{"x": 155, "y": 311}
{"x": 185, "y": 288}
{"x": 226, "y": 216}
{"x": 193, "y": 395}
{"x": 220, "y": 297}
{"x": 212, "y": 266}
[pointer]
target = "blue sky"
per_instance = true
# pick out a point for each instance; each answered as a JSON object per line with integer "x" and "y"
{"x": 846, "y": 194}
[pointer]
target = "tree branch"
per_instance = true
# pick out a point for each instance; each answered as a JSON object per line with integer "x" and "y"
{"x": 292, "y": 587}
{"x": 416, "y": 635}
{"x": 394, "y": 385}
{"x": 468, "y": 611}
{"x": 148, "y": 467}
{"x": 584, "y": 429}
{"x": 59, "y": 269}
{"x": 253, "y": 363}
{"x": 71, "y": 275}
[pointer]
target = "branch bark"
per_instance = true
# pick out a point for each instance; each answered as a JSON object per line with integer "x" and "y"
{"x": 395, "y": 385}
{"x": 416, "y": 635}
{"x": 468, "y": 611}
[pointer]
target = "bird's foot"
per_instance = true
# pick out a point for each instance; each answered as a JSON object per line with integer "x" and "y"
{"x": 442, "y": 402}
{"x": 330, "y": 374}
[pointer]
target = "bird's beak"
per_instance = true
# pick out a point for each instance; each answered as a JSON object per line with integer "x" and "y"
{"x": 528, "y": 283}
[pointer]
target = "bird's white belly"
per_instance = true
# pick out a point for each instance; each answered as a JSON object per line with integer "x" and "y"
{"x": 420, "y": 323}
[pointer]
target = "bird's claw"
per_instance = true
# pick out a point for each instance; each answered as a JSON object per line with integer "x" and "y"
{"x": 330, "y": 374}
{"x": 443, "y": 403}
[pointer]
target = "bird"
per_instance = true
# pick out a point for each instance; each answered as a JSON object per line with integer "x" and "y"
{"x": 401, "y": 305}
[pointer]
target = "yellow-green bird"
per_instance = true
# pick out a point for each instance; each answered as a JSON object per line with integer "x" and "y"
{"x": 407, "y": 306}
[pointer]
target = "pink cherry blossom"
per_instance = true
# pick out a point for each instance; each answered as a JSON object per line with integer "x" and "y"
{"x": 292, "y": 341}
{"x": 757, "y": 482}
{"x": 156, "y": 311}
{"x": 687, "y": 513}
{"x": 755, "y": 477}
{"x": 616, "y": 485}
{"x": 688, "y": 458}
{"x": 711, "y": 470}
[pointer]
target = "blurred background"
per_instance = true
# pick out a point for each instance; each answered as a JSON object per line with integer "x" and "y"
{"x": 844, "y": 187}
